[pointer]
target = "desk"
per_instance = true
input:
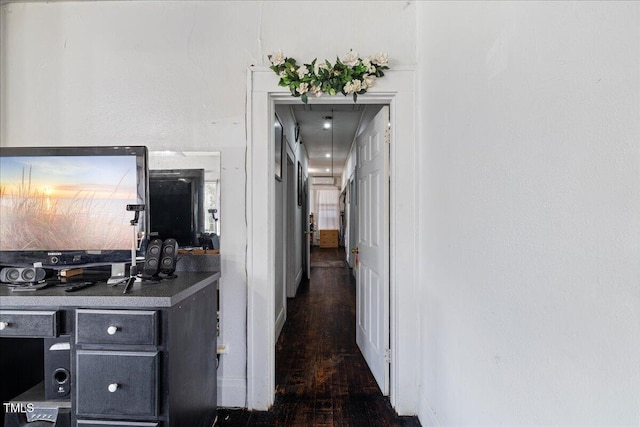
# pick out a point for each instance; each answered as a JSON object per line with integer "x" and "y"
{"x": 145, "y": 358}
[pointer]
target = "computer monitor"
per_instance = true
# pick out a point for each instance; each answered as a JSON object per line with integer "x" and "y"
{"x": 67, "y": 206}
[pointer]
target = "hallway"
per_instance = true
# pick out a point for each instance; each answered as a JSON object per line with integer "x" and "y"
{"x": 321, "y": 377}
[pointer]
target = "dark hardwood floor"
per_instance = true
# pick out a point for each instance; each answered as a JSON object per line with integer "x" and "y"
{"x": 321, "y": 377}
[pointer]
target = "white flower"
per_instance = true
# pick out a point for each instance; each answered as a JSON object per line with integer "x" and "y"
{"x": 304, "y": 88}
{"x": 367, "y": 62}
{"x": 381, "y": 59}
{"x": 277, "y": 58}
{"x": 317, "y": 90}
{"x": 303, "y": 71}
{"x": 368, "y": 81}
{"x": 353, "y": 86}
{"x": 319, "y": 66}
{"x": 350, "y": 59}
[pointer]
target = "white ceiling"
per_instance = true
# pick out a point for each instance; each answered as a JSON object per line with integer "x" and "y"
{"x": 348, "y": 121}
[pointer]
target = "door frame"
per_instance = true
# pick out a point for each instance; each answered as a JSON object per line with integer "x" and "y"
{"x": 397, "y": 89}
{"x": 306, "y": 229}
{"x": 353, "y": 223}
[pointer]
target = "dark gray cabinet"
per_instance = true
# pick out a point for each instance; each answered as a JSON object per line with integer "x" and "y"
{"x": 146, "y": 358}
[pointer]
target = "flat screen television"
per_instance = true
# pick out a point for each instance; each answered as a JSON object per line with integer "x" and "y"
{"x": 176, "y": 205}
{"x": 67, "y": 206}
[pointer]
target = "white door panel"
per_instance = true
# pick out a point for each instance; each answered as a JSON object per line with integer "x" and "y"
{"x": 372, "y": 278}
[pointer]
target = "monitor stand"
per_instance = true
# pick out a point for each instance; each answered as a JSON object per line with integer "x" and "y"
{"x": 119, "y": 273}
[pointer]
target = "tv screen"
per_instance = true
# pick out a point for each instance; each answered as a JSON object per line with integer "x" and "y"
{"x": 68, "y": 205}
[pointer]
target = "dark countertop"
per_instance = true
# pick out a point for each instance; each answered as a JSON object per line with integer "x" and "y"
{"x": 165, "y": 293}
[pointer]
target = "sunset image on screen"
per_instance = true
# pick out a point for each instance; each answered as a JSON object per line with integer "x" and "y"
{"x": 66, "y": 202}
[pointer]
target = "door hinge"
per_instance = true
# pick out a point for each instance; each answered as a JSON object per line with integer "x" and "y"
{"x": 387, "y": 355}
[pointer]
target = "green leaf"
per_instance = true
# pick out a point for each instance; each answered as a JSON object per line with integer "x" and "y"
{"x": 304, "y": 98}
{"x": 355, "y": 97}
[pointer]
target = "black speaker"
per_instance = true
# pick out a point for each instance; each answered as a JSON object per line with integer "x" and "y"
{"x": 22, "y": 274}
{"x": 152, "y": 258}
{"x": 169, "y": 256}
{"x": 57, "y": 367}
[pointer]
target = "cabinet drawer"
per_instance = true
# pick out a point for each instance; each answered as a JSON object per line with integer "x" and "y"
{"x": 117, "y": 383}
{"x": 100, "y": 423}
{"x": 24, "y": 323}
{"x": 328, "y": 234}
{"x": 116, "y": 327}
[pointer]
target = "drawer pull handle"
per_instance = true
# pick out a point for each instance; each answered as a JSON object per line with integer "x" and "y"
{"x": 4, "y": 325}
{"x": 111, "y": 330}
{"x": 113, "y": 387}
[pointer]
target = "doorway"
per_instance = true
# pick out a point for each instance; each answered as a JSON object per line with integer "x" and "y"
{"x": 359, "y": 148}
{"x": 397, "y": 90}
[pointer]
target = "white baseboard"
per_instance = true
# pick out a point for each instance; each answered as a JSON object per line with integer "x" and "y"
{"x": 232, "y": 392}
{"x": 427, "y": 415}
{"x": 291, "y": 293}
{"x": 280, "y": 319}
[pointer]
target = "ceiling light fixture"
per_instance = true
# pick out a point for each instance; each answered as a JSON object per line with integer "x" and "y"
{"x": 328, "y": 155}
{"x": 328, "y": 121}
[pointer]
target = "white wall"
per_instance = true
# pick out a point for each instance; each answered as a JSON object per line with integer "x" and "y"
{"x": 530, "y": 201}
{"x": 349, "y": 167}
{"x": 172, "y": 76}
{"x": 285, "y": 285}
{"x": 298, "y": 153}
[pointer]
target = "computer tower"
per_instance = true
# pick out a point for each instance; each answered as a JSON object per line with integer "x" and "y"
{"x": 57, "y": 367}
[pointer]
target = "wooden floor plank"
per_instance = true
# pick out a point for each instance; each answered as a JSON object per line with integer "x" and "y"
{"x": 321, "y": 377}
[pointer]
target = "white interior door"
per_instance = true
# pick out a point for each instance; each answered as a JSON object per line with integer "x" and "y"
{"x": 372, "y": 277}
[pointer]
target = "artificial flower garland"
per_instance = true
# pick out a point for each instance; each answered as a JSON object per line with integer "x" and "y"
{"x": 351, "y": 75}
